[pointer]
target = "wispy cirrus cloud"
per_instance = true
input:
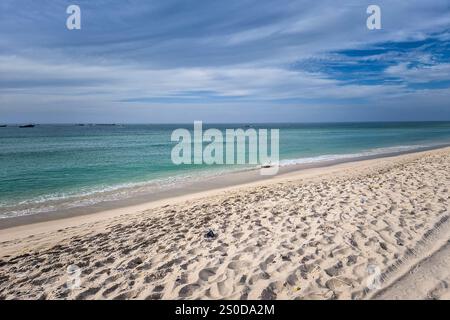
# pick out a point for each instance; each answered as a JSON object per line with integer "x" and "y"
{"x": 135, "y": 55}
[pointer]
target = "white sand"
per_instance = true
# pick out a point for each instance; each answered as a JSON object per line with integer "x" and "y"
{"x": 367, "y": 229}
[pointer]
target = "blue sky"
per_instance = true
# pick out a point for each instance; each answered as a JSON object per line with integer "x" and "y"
{"x": 224, "y": 61}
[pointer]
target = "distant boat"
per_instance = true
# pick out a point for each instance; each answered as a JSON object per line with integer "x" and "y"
{"x": 81, "y": 124}
{"x": 27, "y": 126}
{"x": 3, "y": 125}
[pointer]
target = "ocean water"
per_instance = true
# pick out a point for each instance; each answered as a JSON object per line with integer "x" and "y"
{"x": 54, "y": 167}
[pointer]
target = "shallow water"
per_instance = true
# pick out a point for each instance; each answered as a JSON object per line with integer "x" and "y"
{"x": 53, "y": 167}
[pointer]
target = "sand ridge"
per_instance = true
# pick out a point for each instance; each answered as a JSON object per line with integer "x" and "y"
{"x": 320, "y": 237}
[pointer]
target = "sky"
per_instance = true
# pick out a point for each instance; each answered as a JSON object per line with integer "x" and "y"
{"x": 176, "y": 61}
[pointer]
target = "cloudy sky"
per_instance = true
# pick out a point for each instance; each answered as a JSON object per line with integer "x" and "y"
{"x": 224, "y": 61}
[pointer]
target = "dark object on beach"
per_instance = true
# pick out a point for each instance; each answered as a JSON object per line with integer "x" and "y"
{"x": 266, "y": 165}
{"x": 27, "y": 126}
{"x": 210, "y": 234}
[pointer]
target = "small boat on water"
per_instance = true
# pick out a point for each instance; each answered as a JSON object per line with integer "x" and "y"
{"x": 3, "y": 125}
{"x": 27, "y": 126}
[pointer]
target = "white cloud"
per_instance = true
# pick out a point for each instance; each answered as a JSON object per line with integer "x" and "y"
{"x": 420, "y": 74}
{"x": 110, "y": 83}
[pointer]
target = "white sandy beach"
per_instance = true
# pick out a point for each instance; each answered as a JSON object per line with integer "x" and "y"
{"x": 369, "y": 229}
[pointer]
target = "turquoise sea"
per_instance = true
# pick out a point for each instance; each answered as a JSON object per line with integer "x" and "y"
{"x": 54, "y": 167}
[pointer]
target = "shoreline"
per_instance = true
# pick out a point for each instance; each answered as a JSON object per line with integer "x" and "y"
{"x": 206, "y": 185}
{"x": 32, "y": 224}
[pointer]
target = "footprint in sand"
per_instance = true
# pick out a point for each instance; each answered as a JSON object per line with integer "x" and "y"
{"x": 188, "y": 290}
{"x": 110, "y": 290}
{"x": 225, "y": 288}
{"x": 238, "y": 265}
{"x": 338, "y": 284}
{"x": 206, "y": 273}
